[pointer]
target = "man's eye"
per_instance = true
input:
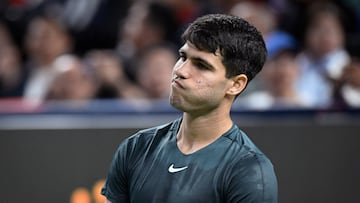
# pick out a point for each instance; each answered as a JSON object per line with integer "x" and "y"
{"x": 200, "y": 66}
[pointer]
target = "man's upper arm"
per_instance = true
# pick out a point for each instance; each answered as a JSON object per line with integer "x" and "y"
{"x": 253, "y": 180}
{"x": 115, "y": 188}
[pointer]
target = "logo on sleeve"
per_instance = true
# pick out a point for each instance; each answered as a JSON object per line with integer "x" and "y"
{"x": 172, "y": 169}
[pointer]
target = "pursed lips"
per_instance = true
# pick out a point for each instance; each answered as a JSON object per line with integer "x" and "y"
{"x": 177, "y": 83}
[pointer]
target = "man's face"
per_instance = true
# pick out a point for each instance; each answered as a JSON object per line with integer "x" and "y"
{"x": 199, "y": 83}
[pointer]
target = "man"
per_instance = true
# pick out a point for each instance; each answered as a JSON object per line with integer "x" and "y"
{"x": 203, "y": 156}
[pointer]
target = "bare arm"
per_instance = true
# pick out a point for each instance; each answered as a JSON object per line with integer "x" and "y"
{"x": 107, "y": 201}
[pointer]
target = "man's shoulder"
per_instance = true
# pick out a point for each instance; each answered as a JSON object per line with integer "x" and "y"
{"x": 164, "y": 128}
{"x": 241, "y": 140}
{"x": 246, "y": 150}
{"x": 150, "y": 133}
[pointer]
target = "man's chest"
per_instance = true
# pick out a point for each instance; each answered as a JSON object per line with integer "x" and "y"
{"x": 172, "y": 177}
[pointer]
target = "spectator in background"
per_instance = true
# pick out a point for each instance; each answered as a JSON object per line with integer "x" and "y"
{"x": 11, "y": 73}
{"x": 92, "y": 23}
{"x": 260, "y": 14}
{"x": 323, "y": 56}
{"x": 347, "y": 88}
{"x": 147, "y": 23}
{"x": 280, "y": 73}
{"x": 46, "y": 40}
{"x": 73, "y": 81}
{"x": 110, "y": 78}
{"x": 154, "y": 71}
{"x": 264, "y": 18}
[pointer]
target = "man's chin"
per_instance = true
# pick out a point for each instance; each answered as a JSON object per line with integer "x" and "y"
{"x": 175, "y": 103}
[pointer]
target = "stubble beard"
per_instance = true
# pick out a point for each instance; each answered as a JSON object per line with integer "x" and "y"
{"x": 175, "y": 101}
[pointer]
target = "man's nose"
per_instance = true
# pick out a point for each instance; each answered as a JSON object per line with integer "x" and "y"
{"x": 181, "y": 70}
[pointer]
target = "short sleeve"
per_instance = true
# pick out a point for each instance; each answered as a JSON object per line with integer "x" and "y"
{"x": 115, "y": 188}
{"x": 253, "y": 180}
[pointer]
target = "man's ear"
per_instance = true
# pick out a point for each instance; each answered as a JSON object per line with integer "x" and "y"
{"x": 238, "y": 84}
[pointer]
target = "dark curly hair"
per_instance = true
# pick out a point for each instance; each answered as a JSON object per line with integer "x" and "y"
{"x": 240, "y": 44}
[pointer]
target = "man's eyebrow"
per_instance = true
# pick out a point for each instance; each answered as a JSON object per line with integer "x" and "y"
{"x": 203, "y": 62}
{"x": 197, "y": 60}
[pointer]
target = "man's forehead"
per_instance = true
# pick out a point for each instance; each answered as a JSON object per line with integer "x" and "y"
{"x": 190, "y": 47}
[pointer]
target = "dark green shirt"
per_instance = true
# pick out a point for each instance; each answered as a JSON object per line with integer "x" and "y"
{"x": 149, "y": 168}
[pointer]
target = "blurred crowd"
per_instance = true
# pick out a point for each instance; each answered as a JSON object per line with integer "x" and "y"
{"x": 85, "y": 50}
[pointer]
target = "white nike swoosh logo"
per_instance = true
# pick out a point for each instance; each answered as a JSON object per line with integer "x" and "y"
{"x": 174, "y": 170}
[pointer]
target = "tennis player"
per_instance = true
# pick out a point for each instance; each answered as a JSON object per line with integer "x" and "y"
{"x": 202, "y": 157}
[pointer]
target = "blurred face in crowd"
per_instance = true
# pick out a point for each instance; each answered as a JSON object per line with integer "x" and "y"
{"x": 45, "y": 40}
{"x": 107, "y": 67}
{"x": 10, "y": 68}
{"x": 324, "y": 35}
{"x": 73, "y": 83}
{"x": 155, "y": 70}
{"x": 280, "y": 73}
{"x": 257, "y": 14}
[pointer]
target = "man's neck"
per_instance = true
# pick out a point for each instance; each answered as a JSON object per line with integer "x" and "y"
{"x": 196, "y": 132}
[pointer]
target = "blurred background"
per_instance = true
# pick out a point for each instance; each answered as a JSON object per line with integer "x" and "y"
{"x": 79, "y": 76}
